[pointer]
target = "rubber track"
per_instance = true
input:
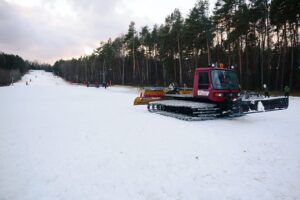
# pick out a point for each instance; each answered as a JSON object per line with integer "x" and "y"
{"x": 191, "y": 111}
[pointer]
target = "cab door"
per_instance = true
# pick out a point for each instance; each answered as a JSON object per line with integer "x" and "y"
{"x": 202, "y": 84}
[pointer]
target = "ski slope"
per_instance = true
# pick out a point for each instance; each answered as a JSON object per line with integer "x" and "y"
{"x": 62, "y": 141}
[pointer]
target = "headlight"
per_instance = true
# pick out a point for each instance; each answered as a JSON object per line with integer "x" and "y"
{"x": 218, "y": 94}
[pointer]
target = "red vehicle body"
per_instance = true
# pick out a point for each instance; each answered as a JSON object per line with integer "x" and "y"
{"x": 215, "y": 84}
{"x": 216, "y": 93}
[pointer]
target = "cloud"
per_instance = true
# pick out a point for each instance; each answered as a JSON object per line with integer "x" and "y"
{"x": 57, "y": 29}
{"x": 46, "y": 30}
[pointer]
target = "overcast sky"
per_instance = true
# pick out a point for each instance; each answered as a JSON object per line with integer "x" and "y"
{"x": 48, "y": 30}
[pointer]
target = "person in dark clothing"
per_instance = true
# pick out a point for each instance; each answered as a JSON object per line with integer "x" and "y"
{"x": 286, "y": 91}
{"x": 105, "y": 85}
{"x": 266, "y": 90}
{"x": 173, "y": 88}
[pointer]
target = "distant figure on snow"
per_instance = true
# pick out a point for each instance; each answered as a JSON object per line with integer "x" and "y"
{"x": 26, "y": 82}
{"x": 97, "y": 84}
{"x": 266, "y": 90}
{"x": 104, "y": 85}
{"x": 286, "y": 91}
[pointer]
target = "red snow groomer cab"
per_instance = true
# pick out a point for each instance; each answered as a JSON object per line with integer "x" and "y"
{"x": 216, "y": 93}
{"x": 216, "y": 84}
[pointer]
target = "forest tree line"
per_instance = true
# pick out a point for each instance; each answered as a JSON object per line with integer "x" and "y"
{"x": 258, "y": 38}
{"x": 13, "y": 67}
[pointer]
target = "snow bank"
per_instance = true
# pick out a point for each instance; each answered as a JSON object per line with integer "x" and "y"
{"x": 62, "y": 141}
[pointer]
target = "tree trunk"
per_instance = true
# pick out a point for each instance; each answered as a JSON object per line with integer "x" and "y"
{"x": 292, "y": 38}
{"x": 142, "y": 73}
{"x": 267, "y": 32}
{"x": 156, "y": 72}
{"x": 284, "y": 57}
{"x": 156, "y": 65}
{"x": 239, "y": 41}
{"x": 123, "y": 71}
{"x": 133, "y": 62}
{"x": 229, "y": 54}
{"x": 262, "y": 60}
{"x": 208, "y": 53}
{"x": 139, "y": 77}
{"x": 103, "y": 71}
{"x": 174, "y": 66}
{"x": 180, "y": 64}
{"x": 269, "y": 59}
{"x": 147, "y": 66}
{"x": 164, "y": 73}
{"x": 195, "y": 51}
{"x": 279, "y": 60}
{"x": 247, "y": 63}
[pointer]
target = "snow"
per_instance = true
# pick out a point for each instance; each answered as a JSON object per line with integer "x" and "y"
{"x": 63, "y": 141}
{"x": 260, "y": 107}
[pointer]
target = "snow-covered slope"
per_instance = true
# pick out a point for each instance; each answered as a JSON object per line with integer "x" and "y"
{"x": 62, "y": 141}
{"x": 40, "y": 78}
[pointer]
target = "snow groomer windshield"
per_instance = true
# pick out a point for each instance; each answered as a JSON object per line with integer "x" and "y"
{"x": 224, "y": 80}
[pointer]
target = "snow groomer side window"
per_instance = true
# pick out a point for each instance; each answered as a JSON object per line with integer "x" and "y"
{"x": 203, "y": 82}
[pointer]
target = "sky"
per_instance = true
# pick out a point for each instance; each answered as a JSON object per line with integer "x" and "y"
{"x": 49, "y": 30}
